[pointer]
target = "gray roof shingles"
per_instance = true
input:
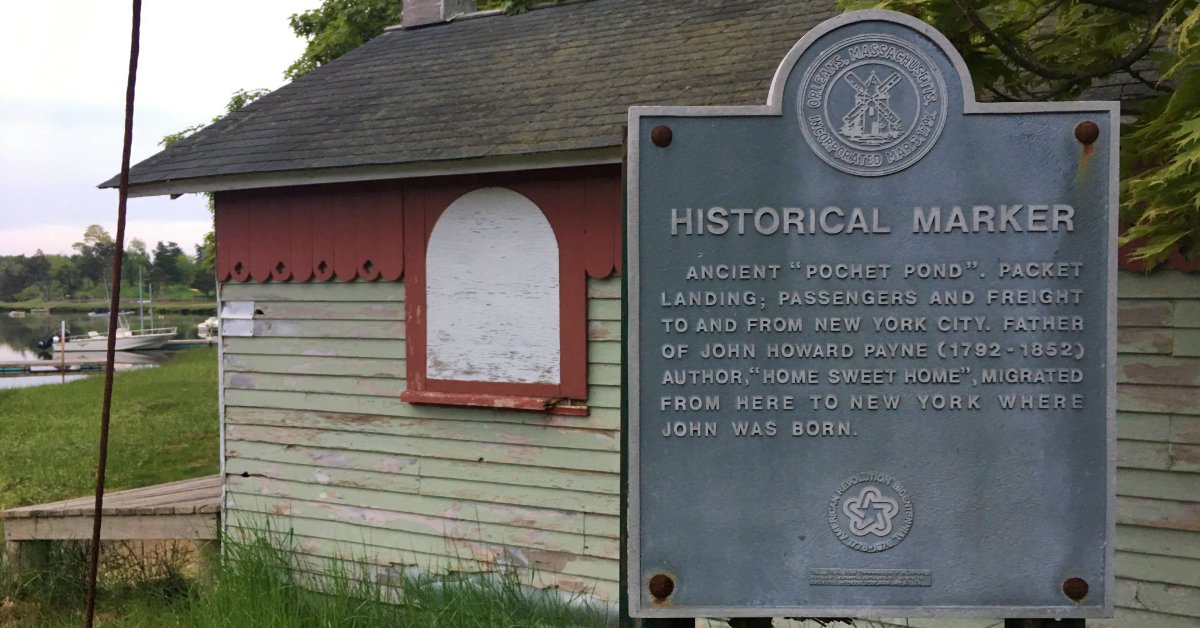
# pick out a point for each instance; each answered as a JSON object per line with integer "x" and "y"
{"x": 559, "y": 78}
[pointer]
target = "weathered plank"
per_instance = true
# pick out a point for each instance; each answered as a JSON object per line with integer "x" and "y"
{"x": 280, "y": 328}
{"x": 1185, "y": 458}
{"x": 116, "y": 528}
{"x": 604, "y": 288}
{"x": 1187, "y": 342}
{"x": 1164, "y": 284}
{"x": 1185, "y": 429}
{"x": 1187, "y": 314}
{"x": 1164, "y": 569}
{"x": 330, "y": 384}
{"x": 324, "y": 476}
{"x": 314, "y": 365}
{"x": 604, "y": 374}
{"x": 604, "y": 310}
{"x": 604, "y": 353}
{"x": 604, "y": 331}
{"x": 329, "y": 347}
{"x": 382, "y": 524}
{"x": 1143, "y": 427}
{"x": 1142, "y": 540}
{"x": 1151, "y": 313}
{"x": 598, "y": 418}
{"x": 1182, "y": 487}
{"x": 1159, "y": 598}
{"x": 1158, "y": 370}
{"x": 328, "y": 291}
{"x": 1158, "y": 513}
{"x": 531, "y": 455}
{"x": 1165, "y": 399}
{"x": 278, "y": 492}
{"x": 524, "y": 496}
{"x": 330, "y": 310}
{"x": 1145, "y": 340}
{"x": 516, "y": 475}
{"x": 475, "y": 431}
{"x": 391, "y": 464}
{"x": 477, "y": 495}
{"x": 1143, "y": 455}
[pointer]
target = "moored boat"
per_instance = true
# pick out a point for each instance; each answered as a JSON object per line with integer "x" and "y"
{"x": 126, "y": 340}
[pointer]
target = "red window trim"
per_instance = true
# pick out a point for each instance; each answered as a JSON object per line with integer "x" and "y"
{"x": 569, "y": 205}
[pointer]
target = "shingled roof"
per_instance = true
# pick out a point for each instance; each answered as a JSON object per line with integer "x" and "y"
{"x": 491, "y": 92}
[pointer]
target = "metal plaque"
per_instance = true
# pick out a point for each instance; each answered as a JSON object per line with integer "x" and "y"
{"x": 871, "y": 354}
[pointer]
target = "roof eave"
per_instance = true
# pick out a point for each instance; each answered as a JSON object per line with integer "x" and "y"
{"x": 288, "y": 178}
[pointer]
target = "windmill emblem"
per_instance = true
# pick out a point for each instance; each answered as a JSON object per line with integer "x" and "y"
{"x": 872, "y": 121}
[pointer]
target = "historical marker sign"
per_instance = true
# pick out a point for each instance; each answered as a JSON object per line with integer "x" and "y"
{"x": 871, "y": 352}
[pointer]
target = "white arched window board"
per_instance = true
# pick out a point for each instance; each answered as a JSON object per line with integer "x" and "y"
{"x": 492, "y": 292}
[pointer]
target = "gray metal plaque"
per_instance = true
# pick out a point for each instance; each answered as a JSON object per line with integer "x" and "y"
{"x": 871, "y": 343}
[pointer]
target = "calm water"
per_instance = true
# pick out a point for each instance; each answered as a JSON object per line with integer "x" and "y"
{"x": 18, "y": 338}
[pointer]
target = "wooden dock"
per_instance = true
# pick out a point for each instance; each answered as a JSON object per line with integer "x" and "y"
{"x": 186, "y": 510}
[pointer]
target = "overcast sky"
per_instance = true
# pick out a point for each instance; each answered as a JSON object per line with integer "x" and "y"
{"x": 62, "y": 103}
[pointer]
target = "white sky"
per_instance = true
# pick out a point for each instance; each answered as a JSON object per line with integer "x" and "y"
{"x": 62, "y": 104}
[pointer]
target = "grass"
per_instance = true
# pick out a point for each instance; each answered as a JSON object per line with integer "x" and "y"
{"x": 164, "y": 428}
{"x": 259, "y": 584}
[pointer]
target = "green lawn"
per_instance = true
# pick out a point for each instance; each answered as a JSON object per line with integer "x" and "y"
{"x": 164, "y": 428}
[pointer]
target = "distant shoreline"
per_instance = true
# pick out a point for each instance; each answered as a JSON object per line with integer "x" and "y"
{"x": 83, "y": 307}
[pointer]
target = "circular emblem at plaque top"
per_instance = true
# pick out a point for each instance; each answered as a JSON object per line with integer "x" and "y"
{"x": 872, "y": 105}
{"x": 870, "y": 512}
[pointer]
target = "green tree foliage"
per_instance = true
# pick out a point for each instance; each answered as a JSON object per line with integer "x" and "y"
{"x": 95, "y": 254}
{"x": 1033, "y": 50}
{"x": 86, "y": 273}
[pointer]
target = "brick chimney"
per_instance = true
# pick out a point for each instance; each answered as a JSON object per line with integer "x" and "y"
{"x": 424, "y": 12}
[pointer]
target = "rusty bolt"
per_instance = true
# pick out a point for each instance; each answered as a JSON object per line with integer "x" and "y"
{"x": 661, "y": 585}
{"x": 1075, "y": 588}
{"x": 1087, "y": 132}
{"x": 661, "y": 136}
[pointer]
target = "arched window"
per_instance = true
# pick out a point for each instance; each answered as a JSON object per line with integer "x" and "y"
{"x": 496, "y": 297}
{"x": 492, "y": 292}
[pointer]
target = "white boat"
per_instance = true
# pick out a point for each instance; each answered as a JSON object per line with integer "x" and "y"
{"x": 16, "y": 314}
{"x": 127, "y": 340}
{"x": 208, "y": 328}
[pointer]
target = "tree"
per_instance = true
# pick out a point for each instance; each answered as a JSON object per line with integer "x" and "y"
{"x": 96, "y": 252}
{"x": 170, "y": 265}
{"x": 1057, "y": 49}
{"x": 137, "y": 261}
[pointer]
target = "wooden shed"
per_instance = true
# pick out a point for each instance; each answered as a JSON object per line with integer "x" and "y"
{"x": 419, "y": 249}
{"x": 419, "y": 258}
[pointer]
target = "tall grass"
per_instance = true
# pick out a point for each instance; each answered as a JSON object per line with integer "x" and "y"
{"x": 260, "y": 583}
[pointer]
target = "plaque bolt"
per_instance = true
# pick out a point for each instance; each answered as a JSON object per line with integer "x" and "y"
{"x": 1087, "y": 132}
{"x": 1075, "y": 588}
{"x": 661, "y": 136}
{"x": 661, "y": 586}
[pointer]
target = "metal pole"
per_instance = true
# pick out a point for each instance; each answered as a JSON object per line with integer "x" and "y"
{"x": 114, "y": 307}
{"x": 62, "y": 355}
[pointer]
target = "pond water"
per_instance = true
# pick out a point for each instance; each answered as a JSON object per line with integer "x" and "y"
{"x": 18, "y": 338}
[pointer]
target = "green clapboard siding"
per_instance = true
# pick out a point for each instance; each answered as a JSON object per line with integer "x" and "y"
{"x": 327, "y": 450}
{"x": 1158, "y": 474}
{"x": 319, "y": 443}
